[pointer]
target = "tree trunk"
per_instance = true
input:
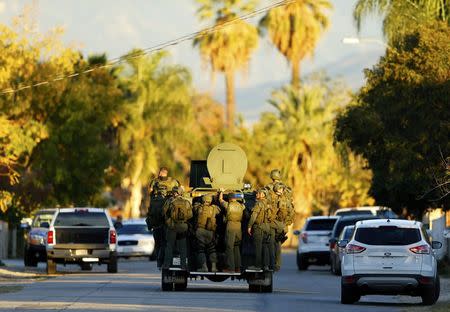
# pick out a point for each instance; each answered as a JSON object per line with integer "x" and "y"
{"x": 295, "y": 79}
{"x": 135, "y": 200}
{"x": 230, "y": 98}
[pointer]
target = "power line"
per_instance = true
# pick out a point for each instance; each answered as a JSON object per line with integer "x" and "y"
{"x": 159, "y": 47}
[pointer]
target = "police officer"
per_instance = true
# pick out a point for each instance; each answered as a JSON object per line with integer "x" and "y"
{"x": 158, "y": 192}
{"x": 282, "y": 213}
{"x": 233, "y": 234}
{"x": 177, "y": 212}
{"x": 259, "y": 228}
{"x": 205, "y": 232}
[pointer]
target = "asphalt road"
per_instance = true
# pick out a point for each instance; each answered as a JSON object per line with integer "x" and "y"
{"x": 137, "y": 288}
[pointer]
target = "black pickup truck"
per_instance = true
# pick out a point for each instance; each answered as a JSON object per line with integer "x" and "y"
{"x": 81, "y": 236}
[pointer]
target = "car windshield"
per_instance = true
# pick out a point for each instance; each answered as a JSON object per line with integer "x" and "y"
{"x": 320, "y": 225}
{"x": 388, "y": 235}
{"x": 41, "y": 218}
{"x": 130, "y": 229}
{"x": 348, "y": 232}
{"x": 82, "y": 218}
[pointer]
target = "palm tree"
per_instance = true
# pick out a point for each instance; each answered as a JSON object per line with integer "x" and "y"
{"x": 229, "y": 48}
{"x": 295, "y": 29}
{"x": 401, "y": 15}
{"x": 154, "y": 118}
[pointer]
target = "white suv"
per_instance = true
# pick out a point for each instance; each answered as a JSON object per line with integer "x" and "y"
{"x": 389, "y": 257}
{"x": 313, "y": 243}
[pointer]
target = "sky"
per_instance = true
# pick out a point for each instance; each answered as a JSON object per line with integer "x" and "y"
{"x": 115, "y": 27}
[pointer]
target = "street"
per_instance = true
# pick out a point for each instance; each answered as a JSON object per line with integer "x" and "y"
{"x": 137, "y": 288}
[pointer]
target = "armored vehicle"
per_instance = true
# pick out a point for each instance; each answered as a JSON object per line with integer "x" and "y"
{"x": 224, "y": 169}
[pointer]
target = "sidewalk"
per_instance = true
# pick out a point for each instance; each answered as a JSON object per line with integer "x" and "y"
{"x": 15, "y": 269}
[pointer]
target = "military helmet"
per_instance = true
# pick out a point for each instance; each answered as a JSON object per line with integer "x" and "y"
{"x": 263, "y": 191}
{"x": 207, "y": 199}
{"x": 278, "y": 187}
{"x": 177, "y": 190}
{"x": 275, "y": 174}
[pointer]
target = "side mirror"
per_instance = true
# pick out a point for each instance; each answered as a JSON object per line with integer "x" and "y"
{"x": 436, "y": 245}
{"x": 297, "y": 232}
{"x": 342, "y": 243}
{"x": 44, "y": 225}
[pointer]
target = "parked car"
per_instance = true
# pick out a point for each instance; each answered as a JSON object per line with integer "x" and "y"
{"x": 337, "y": 252}
{"x": 81, "y": 236}
{"x": 343, "y": 222}
{"x": 389, "y": 257}
{"x": 35, "y": 237}
{"x": 134, "y": 239}
{"x": 313, "y": 242}
{"x": 382, "y": 212}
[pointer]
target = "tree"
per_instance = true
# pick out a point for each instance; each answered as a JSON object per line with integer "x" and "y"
{"x": 295, "y": 29}
{"x": 298, "y": 139}
{"x": 399, "y": 16}
{"x": 229, "y": 48}
{"x": 154, "y": 119}
{"x": 400, "y": 122}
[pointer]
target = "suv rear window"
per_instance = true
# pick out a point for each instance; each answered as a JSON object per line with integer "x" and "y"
{"x": 81, "y": 218}
{"x": 320, "y": 225}
{"x": 388, "y": 235}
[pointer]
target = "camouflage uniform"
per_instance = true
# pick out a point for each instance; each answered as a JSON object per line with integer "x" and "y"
{"x": 205, "y": 215}
{"x": 157, "y": 193}
{"x": 233, "y": 235}
{"x": 260, "y": 228}
{"x": 177, "y": 212}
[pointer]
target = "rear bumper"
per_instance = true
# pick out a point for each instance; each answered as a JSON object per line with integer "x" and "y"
{"x": 395, "y": 284}
{"x": 80, "y": 254}
{"x": 316, "y": 257}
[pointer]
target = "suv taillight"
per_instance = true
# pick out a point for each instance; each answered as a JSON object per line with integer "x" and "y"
{"x": 354, "y": 249}
{"x": 304, "y": 237}
{"x": 112, "y": 237}
{"x": 422, "y": 249}
{"x": 50, "y": 237}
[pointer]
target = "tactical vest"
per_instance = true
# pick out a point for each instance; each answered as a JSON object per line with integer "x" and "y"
{"x": 207, "y": 217}
{"x": 163, "y": 187}
{"x": 235, "y": 212}
{"x": 261, "y": 208}
{"x": 180, "y": 210}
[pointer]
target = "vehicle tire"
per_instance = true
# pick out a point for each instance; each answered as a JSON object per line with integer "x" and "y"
{"x": 181, "y": 287}
{"x": 28, "y": 259}
{"x": 349, "y": 294}
{"x": 153, "y": 256}
{"x": 268, "y": 288}
{"x": 301, "y": 263}
{"x": 431, "y": 295}
{"x": 333, "y": 265}
{"x": 51, "y": 266}
{"x": 112, "y": 264}
{"x": 86, "y": 266}
{"x": 165, "y": 286}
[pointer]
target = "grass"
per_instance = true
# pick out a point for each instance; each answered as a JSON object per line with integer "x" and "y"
{"x": 10, "y": 289}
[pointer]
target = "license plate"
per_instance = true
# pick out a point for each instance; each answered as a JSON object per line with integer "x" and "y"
{"x": 176, "y": 261}
{"x": 81, "y": 252}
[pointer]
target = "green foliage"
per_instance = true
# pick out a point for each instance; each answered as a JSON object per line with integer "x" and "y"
{"x": 402, "y": 15}
{"x": 295, "y": 29}
{"x": 297, "y": 138}
{"x": 400, "y": 122}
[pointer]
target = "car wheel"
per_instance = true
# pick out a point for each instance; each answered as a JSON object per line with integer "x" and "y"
{"x": 333, "y": 265}
{"x": 181, "y": 286}
{"x": 165, "y": 286}
{"x": 29, "y": 260}
{"x": 337, "y": 267}
{"x": 431, "y": 295}
{"x": 112, "y": 264}
{"x": 86, "y": 266}
{"x": 51, "y": 266}
{"x": 152, "y": 257}
{"x": 302, "y": 264}
{"x": 254, "y": 288}
{"x": 349, "y": 294}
